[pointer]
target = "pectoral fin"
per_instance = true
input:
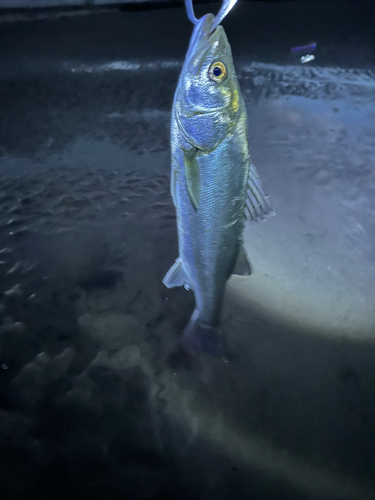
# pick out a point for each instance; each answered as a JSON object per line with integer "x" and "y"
{"x": 242, "y": 266}
{"x": 257, "y": 206}
{"x": 175, "y": 276}
{"x": 192, "y": 178}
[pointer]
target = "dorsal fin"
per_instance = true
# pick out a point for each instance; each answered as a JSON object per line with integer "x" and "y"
{"x": 257, "y": 206}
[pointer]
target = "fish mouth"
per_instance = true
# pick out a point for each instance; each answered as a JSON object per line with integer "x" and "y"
{"x": 196, "y": 62}
{"x": 201, "y": 31}
{"x": 202, "y": 41}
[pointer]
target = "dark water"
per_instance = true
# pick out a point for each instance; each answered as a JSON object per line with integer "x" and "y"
{"x": 91, "y": 405}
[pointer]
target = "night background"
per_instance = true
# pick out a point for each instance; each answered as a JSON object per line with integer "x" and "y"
{"x": 92, "y": 404}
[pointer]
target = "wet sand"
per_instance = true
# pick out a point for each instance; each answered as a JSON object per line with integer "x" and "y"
{"x": 90, "y": 402}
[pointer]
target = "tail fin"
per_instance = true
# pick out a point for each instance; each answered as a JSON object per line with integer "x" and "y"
{"x": 198, "y": 338}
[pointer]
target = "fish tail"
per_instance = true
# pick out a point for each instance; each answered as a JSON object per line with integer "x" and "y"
{"x": 198, "y": 337}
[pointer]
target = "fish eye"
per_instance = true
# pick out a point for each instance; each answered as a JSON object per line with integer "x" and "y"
{"x": 217, "y": 71}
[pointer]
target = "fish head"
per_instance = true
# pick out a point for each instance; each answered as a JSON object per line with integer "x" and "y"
{"x": 208, "y": 95}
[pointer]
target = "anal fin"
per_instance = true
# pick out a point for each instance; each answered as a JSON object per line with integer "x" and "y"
{"x": 175, "y": 276}
{"x": 243, "y": 266}
{"x": 257, "y": 206}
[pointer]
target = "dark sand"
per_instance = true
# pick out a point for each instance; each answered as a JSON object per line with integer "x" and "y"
{"x": 91, "y": 406}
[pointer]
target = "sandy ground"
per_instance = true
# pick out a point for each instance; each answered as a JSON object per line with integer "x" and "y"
{"x": 91, "y": 404}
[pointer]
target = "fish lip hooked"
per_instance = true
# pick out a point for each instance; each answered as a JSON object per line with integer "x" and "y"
{"x": 197, "y": 59}
{"x": 226, "y": 7}
{"x": 203, "y": 41}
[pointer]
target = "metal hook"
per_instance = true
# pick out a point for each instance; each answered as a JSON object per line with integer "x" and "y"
{"x": 190, "y": 11}
{"x": 226, "y": 7}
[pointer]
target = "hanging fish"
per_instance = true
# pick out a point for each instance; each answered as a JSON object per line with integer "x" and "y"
{"x": 214, "y": 185}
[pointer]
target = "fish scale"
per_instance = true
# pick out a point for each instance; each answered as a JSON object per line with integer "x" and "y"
{"x": 214, "y": 186}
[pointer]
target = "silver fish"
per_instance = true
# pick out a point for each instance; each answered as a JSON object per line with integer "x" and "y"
{"x": 214, "y": 185}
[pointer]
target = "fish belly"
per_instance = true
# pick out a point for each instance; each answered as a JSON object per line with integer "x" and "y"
{"x": 210, "y": 236}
